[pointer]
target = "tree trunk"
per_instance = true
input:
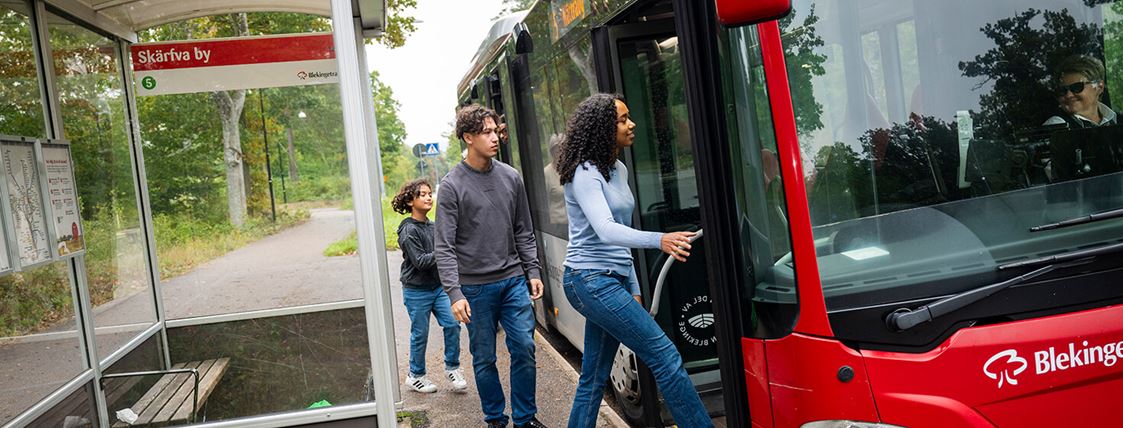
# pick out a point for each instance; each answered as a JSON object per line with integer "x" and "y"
{"x": 230, "y": 105}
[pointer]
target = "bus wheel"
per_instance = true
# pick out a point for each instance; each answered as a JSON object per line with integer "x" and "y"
{"x": 625, "y": 384}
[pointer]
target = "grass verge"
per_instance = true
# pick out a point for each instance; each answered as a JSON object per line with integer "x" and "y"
{"x": 183, "y": 243}
{"x": 350, "y": 245}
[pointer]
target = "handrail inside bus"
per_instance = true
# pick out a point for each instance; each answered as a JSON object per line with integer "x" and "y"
{"x": 663, "y": 278}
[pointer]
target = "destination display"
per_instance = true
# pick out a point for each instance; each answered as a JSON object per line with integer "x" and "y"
{"x": 63, "y": 197}
{"x": 25, "y": 199}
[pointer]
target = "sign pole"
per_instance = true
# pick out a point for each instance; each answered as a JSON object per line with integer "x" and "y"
{"x": 268, "y": 165}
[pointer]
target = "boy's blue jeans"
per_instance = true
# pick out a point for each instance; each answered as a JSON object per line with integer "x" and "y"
{"x": 420, "y": 303}
{"x": 613, "y": 317}
{"x": 505, "y": 302}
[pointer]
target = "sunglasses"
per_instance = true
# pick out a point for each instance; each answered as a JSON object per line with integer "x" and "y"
{"x": 1075, "y": 88}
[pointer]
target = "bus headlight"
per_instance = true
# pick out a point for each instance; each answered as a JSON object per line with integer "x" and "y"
{"x": 846, "y": 424}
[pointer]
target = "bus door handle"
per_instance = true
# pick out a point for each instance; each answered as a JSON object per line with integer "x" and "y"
{"x": 662, "y": 279}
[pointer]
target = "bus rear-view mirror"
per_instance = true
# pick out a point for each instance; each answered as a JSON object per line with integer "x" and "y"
{"x": 741, "y": 12}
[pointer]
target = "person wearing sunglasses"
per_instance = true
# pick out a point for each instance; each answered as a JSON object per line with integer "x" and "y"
{"x": 1080, "y": 84}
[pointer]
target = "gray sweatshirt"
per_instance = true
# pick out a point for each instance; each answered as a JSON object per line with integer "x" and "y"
{"x": 484, "y": 231}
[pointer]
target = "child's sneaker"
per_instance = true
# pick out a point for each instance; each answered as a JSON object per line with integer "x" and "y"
{"x": 457, "y": 379}
{"x": 421, "y": 384}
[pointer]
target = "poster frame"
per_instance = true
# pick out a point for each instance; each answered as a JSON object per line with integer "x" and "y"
{"x": 10, "y": 232}
{"x": 48, "y": 207}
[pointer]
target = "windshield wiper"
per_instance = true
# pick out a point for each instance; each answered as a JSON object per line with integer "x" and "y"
{"x": 905, "y": 318}
{"x": 1064, "y": 257}
{"x": 1100, "y": 216}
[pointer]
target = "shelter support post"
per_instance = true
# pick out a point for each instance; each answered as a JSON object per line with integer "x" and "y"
{"x": 363, "y": 158}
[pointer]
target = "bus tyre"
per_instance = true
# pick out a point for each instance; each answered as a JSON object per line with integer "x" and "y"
{"x": 624, "y": 379}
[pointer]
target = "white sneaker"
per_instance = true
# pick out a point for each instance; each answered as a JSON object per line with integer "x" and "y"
{"x": 457, "y": 379}
{"x": 420, "y": 384}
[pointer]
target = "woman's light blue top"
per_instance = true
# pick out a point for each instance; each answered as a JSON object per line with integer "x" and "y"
{"x": 600, "y": 220}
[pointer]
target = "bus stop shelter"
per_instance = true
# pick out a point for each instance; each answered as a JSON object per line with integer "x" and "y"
{"x": 80, "y": 397}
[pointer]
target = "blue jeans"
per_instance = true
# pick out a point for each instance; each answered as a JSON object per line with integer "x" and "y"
{"x": 505, "y": 302}
{"x": 420, "y": 303}
{"x": 613, "y": 317}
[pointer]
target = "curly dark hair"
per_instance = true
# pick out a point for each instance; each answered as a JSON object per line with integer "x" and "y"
{"x": 470, "y": 119}
{"x": 406, "y": 194}
{"x": 590, "y": 135}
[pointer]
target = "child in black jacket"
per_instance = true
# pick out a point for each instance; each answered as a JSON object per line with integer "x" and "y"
{"x": 421, "y": 288}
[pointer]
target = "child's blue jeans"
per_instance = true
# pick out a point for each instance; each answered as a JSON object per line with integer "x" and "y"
{"x": 420, "y": 303}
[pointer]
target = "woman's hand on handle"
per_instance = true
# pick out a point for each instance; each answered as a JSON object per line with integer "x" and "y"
{"x": 676, "y": 244}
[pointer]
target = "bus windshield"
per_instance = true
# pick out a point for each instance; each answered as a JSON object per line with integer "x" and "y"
{"x": 937, "y": 136}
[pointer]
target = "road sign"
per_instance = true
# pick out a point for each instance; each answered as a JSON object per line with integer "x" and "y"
{"x": 426, "y": 150}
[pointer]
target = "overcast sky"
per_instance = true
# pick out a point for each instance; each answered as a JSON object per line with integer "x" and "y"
{"x": 424, "y": 73}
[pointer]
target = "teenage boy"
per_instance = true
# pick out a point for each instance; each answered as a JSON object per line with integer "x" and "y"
{"x": 487, "y": 260}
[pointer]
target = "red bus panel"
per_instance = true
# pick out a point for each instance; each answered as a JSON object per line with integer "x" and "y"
{"x": 1063, "y": 370}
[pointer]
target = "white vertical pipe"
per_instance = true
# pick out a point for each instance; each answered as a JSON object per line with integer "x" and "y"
{"x": 362, "y": 160}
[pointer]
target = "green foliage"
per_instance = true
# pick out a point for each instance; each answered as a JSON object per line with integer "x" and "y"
{"x": 398, "y": 24}
{"x": 184, "y": 242}
{"x": 803, "y": 64}
{"x": 390, "y": 221}
{"x": 512, "y": 6}
{"x": 34, "y": 299}
{"x": 320, "y": 188}
{"x": 343, "y": 247}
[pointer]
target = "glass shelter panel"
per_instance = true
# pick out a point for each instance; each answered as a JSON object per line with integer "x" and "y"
{"x": 90, "y": 88}
{"x": 932, "y": 155}
{"x": 79, "y": 409}
{"x": 39, "y": 344}
{"x": 22, "y": 110}
{"x": 281, "y": 364}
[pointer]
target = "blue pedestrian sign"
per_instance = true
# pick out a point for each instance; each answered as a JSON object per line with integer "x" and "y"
{"x": 427, "y": 150}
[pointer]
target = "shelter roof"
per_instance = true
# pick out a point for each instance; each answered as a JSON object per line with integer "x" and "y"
{"x": 125, "y": 17}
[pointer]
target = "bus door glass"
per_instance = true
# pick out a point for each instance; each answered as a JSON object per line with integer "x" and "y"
{"x": 650, "y": 74}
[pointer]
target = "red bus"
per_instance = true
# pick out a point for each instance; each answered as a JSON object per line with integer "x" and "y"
{"x": 911, "y": 209}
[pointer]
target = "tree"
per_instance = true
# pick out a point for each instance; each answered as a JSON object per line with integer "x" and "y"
{"x": 229, "y": 106}
{"x": 398, "y": 24}
{"x": 391, "y": 130}
{"x": 803, "y": 64}
{"x": 512, "y": 6}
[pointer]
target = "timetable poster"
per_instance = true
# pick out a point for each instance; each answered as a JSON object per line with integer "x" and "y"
{"x": 63, "y": 198}
{"x": 26, "y": 201}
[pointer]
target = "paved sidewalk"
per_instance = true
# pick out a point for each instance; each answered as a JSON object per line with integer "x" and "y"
{"x": 556, "y": 378}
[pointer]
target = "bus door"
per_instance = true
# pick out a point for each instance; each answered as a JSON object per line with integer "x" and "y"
{"x": 644, "y": 64}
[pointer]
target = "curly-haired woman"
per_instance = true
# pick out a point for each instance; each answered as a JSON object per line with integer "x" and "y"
{"x": 421, "y": 288}
{"x": 600, "y": 279}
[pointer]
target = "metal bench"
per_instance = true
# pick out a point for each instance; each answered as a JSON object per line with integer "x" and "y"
{"x": 179, "y": 393}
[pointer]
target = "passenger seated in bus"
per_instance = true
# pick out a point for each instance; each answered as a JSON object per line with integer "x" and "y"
{"x": 421, "y": 288}
{"x": 1080, "y": 84}
{"x": 600, "y": 278}
{"x": 501, "y": 129}
{"x": 1080, "y": 87}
